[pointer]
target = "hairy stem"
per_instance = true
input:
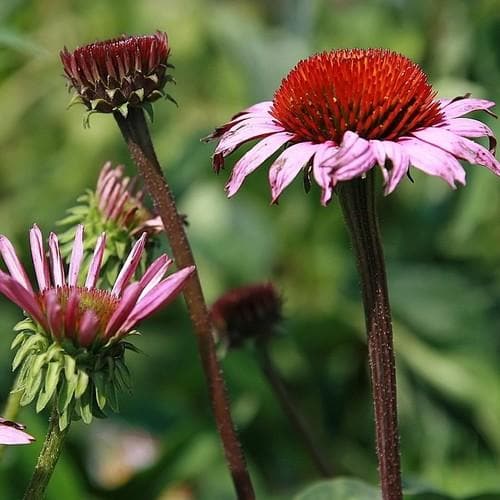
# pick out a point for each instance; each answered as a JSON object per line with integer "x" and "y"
{"x": 47, "y": 460}
{"x": 296, "y": 418}
{"x": 136, "y": 134}
{"x": 358, "y": 205}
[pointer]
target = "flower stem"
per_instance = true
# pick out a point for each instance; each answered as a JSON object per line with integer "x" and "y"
{"x": 47, "y": 460}
{"x": 291, "y": 411}
{"x": 357, "y": 198}
{"x": 136, "y": 134}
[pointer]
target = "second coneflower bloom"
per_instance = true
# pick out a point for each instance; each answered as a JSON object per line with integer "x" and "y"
{"x": 72, "y": 342}
{"x": 338, "y": 114}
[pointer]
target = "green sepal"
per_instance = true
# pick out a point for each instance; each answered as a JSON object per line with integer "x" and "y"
{"x": 82, "y": 383}
{"x": 123, "y": 109}
{"x": 66, "y": 392}
{"x": 83, "y": 408}
{"x": 75, "y": 99}
{"x": 70, "y": 368}
{"x": 148, "y": 107}
{"x": 51, "y": 381}
{"x": 100, "y": 389}
{"x": 28, "y": 345}
{"x": 25, "y": 324}
{"x": 31, "y": 389}
{"x": 168, "y": 97}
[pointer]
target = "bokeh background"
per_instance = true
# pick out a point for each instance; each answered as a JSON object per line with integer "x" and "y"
{"x": 442, "y": 248}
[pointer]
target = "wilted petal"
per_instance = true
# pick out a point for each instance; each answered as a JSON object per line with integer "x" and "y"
{"x": 321, "y": 173}
{"x": 95, "y": 264}
{"x": 130, "y": 265}
{"x": 12, "y": 433}
{"x": 39, "y": 260}
{"x": 460, "y": 147}
{"x": 158, "y": 297}
{"x": 287, "y": 166}
{"x": 434, "y": 161}
{"x": 76, "y": 256}
{"x": 13, "y": 263}
{"x": 459, "y": 107}
{"x": 466, "y": 127}
{"x": 254, "y": 158}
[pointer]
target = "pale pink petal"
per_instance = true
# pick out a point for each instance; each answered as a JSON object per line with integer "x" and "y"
{"x": 23, "y": 298}
{"x": 320, "y": 173}
{"x": 56, "y": 260}
{"x": 76, "y": 259}
{"x": 13, "y": 263}
{"x": 103, "y": 176}
{"x": 154, "y": 273}
{"x": 127, "y": 303}
{"x": 128, "y": 269}
{"x": 460, "y": 147}
{"x": 467, "y": 127}
{"x": 399, "y": 159}
{"x": 55, "y": 316}
{"x": 288, "y": 165}
{"x": 95, "y": 264}
{"x": 12, "y": 433}
{"x": 39, "y": 260}
{"x": 254, "y": 158}
{"x": 158, "y": 297}
{"x": 460, "y": 107}
{"x": 433, "y": 161}
{"x": 89, "y": 326}
{"x": 118, "y": 206}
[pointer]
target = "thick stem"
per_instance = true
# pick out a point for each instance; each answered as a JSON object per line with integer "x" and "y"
{"x": 291, "y": 411}
{"x": 357, "y": 199}
{"x": 136, "y": 134}
{"x": 47, "y": 460}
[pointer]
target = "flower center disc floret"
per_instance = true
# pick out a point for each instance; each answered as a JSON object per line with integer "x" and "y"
{"x": 376, "y": 93}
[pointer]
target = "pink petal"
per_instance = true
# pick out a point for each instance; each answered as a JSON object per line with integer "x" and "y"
{"x": 154, "y": 274}
{"x": 122, "y": 313}
{"x": 13, "y": 263}
{"x": 460, "y": 147}
{"x": 433, "y": 161}
{"x": 288, "y": 165}
{"x": 320, "y": 173}
{"x": 460, "y": 107}
{"x": 158, "y": 297}
{"x": 12, "y": 433}
{"x": 56, "y": 261}
{"x": 71, "y": 314}
{"x": 55, "y": 316}
{"x": 39, "y": 261}
{"x": 95, "y": 264}
{"x": 130, "y": 265}
{"x": 103, "y": 176}
{"x": 254, "y": 158}
{"x": 466, "y": 127}
{"x": 89, "y": 326}
{"x": 399, "y": 159}
{"x": 76, "y": 259}
{"x": 23, "y": 298}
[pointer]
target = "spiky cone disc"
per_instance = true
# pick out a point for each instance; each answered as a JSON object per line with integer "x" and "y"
{"x": 114, "y": 74}
{"x": 85, "y": 382}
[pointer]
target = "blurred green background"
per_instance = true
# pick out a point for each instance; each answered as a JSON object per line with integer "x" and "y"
{"x": 442, "y": 248}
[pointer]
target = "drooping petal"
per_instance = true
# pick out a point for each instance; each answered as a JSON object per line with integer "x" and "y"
{"x": 76, "y": 259}
{"x": 459, "y": 147}
{"x": 55, "y": 314}
{"x": 158, "y": 297}
{"x": 434, "y": 161}
{"x": 288, "y": 165}
{"x": 130, "y": 266}
{"x": 71, "y": 314}
{"x": 89, "y": 326}
{"x": 459, "y": 107}
{"x": 13, "y": 263}
{"x": 154, "y": 273}
{"x": 95, "y": 264}
{"x": 40, "y": 263}
{"x": 467, "y": 127}
{"x": 12, "y": 433}
{"x": 399, "y": 159}
{"x": 129, "y": 300}
{"x": 254, "y": 158}
{"x": 56, "y": 260}
{"x": 26, "y": 300}
{"x": 321, "y": 173}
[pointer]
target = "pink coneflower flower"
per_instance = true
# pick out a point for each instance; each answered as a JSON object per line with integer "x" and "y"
{"x": 85, "y": 314}
{"x": 113, "y": 74}
{"x": 338, "y": 114}
{"x": 13, "y": 433}
{"x": 247, "y": 312}
{"x": 72, "y": 340}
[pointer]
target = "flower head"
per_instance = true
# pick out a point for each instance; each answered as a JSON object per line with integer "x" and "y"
{"x": 340, "y": 113}
{"x": 75, "y": 330}
{"x": 247, "y": 312}
{"x": 114, "y": 74}
{"x": 116, "y": 208}
{"x": 13, "y": 433}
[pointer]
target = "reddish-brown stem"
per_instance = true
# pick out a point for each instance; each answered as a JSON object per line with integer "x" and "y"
{"x": 357, "y": 198}
{"x": 136, "y": 134}
{"x": 290, "y": 409}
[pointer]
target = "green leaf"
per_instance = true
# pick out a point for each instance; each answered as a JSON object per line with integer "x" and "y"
{"x": 341, "y": 488}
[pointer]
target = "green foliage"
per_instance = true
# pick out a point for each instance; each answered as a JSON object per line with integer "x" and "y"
{"x": 441, "y": 246}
